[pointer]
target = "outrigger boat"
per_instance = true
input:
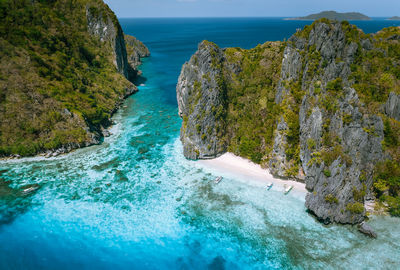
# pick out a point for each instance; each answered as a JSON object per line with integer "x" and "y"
{"x": 288, "y": 189}
{"x": 269, "y": 186}
{"x": 218, "y": 179}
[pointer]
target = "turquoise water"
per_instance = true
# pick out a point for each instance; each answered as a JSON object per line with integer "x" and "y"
{"x": 135, "y": 203}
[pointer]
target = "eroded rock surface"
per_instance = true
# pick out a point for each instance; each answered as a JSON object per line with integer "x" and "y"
{"x": 201, "y": 101}
{"x": 324, "y": 134}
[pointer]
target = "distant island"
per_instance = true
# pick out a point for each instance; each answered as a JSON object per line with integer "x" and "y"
{"x": 333, "y": 15}
{"x": 394, "y": 18}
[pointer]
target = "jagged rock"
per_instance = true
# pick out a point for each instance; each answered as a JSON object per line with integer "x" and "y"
{"x": 201, "y": 101}
{"x": 291, "y": 65}
{"x": 136, "y": 50}
{"x": 367, "y": 230}
{"x": 107, "y": 29}
{"x": 277, "y": 163}
{"x": 66, "y": 112}
{"x": 127, "y": 50}
{"x": 130, "y": 91}
{"x": 392, "y": 107}
{"x": 105, "y": 132}
{"x": 329, "y": 42}
{"x": 339, "y": 139}
{"x": 334, "y": 187}
{"x": 331, "y": 185}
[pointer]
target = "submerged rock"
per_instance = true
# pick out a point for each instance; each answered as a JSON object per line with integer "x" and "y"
{"x": 367, "y": 230}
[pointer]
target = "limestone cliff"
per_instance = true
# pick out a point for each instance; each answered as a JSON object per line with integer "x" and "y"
{"x": 136, "y": 50}
{"x": 102, "y": 23}
{"x": 202, "y": 103}
{"x": 317, "y": 108}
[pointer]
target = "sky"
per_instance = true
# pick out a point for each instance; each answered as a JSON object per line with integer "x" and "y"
{"x": 249, "y": 8}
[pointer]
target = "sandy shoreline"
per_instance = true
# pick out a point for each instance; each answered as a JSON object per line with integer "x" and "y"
{"x": 229, "y": 164}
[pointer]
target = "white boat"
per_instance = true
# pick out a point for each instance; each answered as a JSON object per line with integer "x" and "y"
{"x": 29, "y": 190}
{"x": 218, "y": 179}
{"x": 288, "y": 189}
{"x": 269, "y": 186}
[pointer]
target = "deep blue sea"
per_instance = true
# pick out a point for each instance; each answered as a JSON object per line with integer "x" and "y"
{"x": 134, "y": 202}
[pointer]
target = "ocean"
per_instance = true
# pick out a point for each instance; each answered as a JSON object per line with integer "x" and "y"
{"x": 134, "y": 202}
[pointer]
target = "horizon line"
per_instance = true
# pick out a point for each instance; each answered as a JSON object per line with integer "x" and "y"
{"x": 235, "y": 17}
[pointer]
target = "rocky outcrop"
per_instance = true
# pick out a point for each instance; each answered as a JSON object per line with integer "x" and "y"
{"x": 127, "y": 50}
{"x": 337, "y": 190}
{"x": 324, "y": 133}
{"x": 310, "y": 59}
{"x": 367, "y": 230}
{"x": 336, "y": 145}
{"x": 392, "y": 107}
{"x": 202, "y": 103}
{"x": 106, "y": 27}
{"x": 136, "y": 50}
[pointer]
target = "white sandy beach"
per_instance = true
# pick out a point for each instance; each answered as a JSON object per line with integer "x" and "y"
{"x": 230, "y": 164}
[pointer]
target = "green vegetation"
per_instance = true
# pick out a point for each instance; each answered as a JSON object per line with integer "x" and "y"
{"x": 335, "y": 85}
{"x": 373, "y": 72}
{"x": 305, "y": 33}
{"x": 327, "y": 173}
{"x": 333, "y": 15}
{"x": 355, "y": 208}
{"x": 387, "y": 184}
{"x": 311, "y": 144}
{"x": 251, "y": 77}
{"x": 375, "y": 76}
{"x": 359, "y": 194}
{"x": 329, "y": 155}
{"x": 331, "y": 199}
{"x": 50, "y": 64}
{"x": 291, "y": 107}
{"x": 347, "y": 119}
{"x": 391, "y": 132}
{"x": 252, "y": 111}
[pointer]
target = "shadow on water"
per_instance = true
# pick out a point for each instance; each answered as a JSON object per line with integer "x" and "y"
{"x": 3, "y": 171}
{"x": 14, "y": 201}
{"x": 139, "y": 80}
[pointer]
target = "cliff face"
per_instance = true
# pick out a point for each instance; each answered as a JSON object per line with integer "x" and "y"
{"x": 332, "y": 89}
{"x": 62, "y": 77}
{"x": 392, "y": 107}
{"x": 136, "y": 50}
{"x": 127, "y": 51}
{"x": 334, "y": 146}
{"x": 104, "y": 25}
{"x": 202, "y": 103}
